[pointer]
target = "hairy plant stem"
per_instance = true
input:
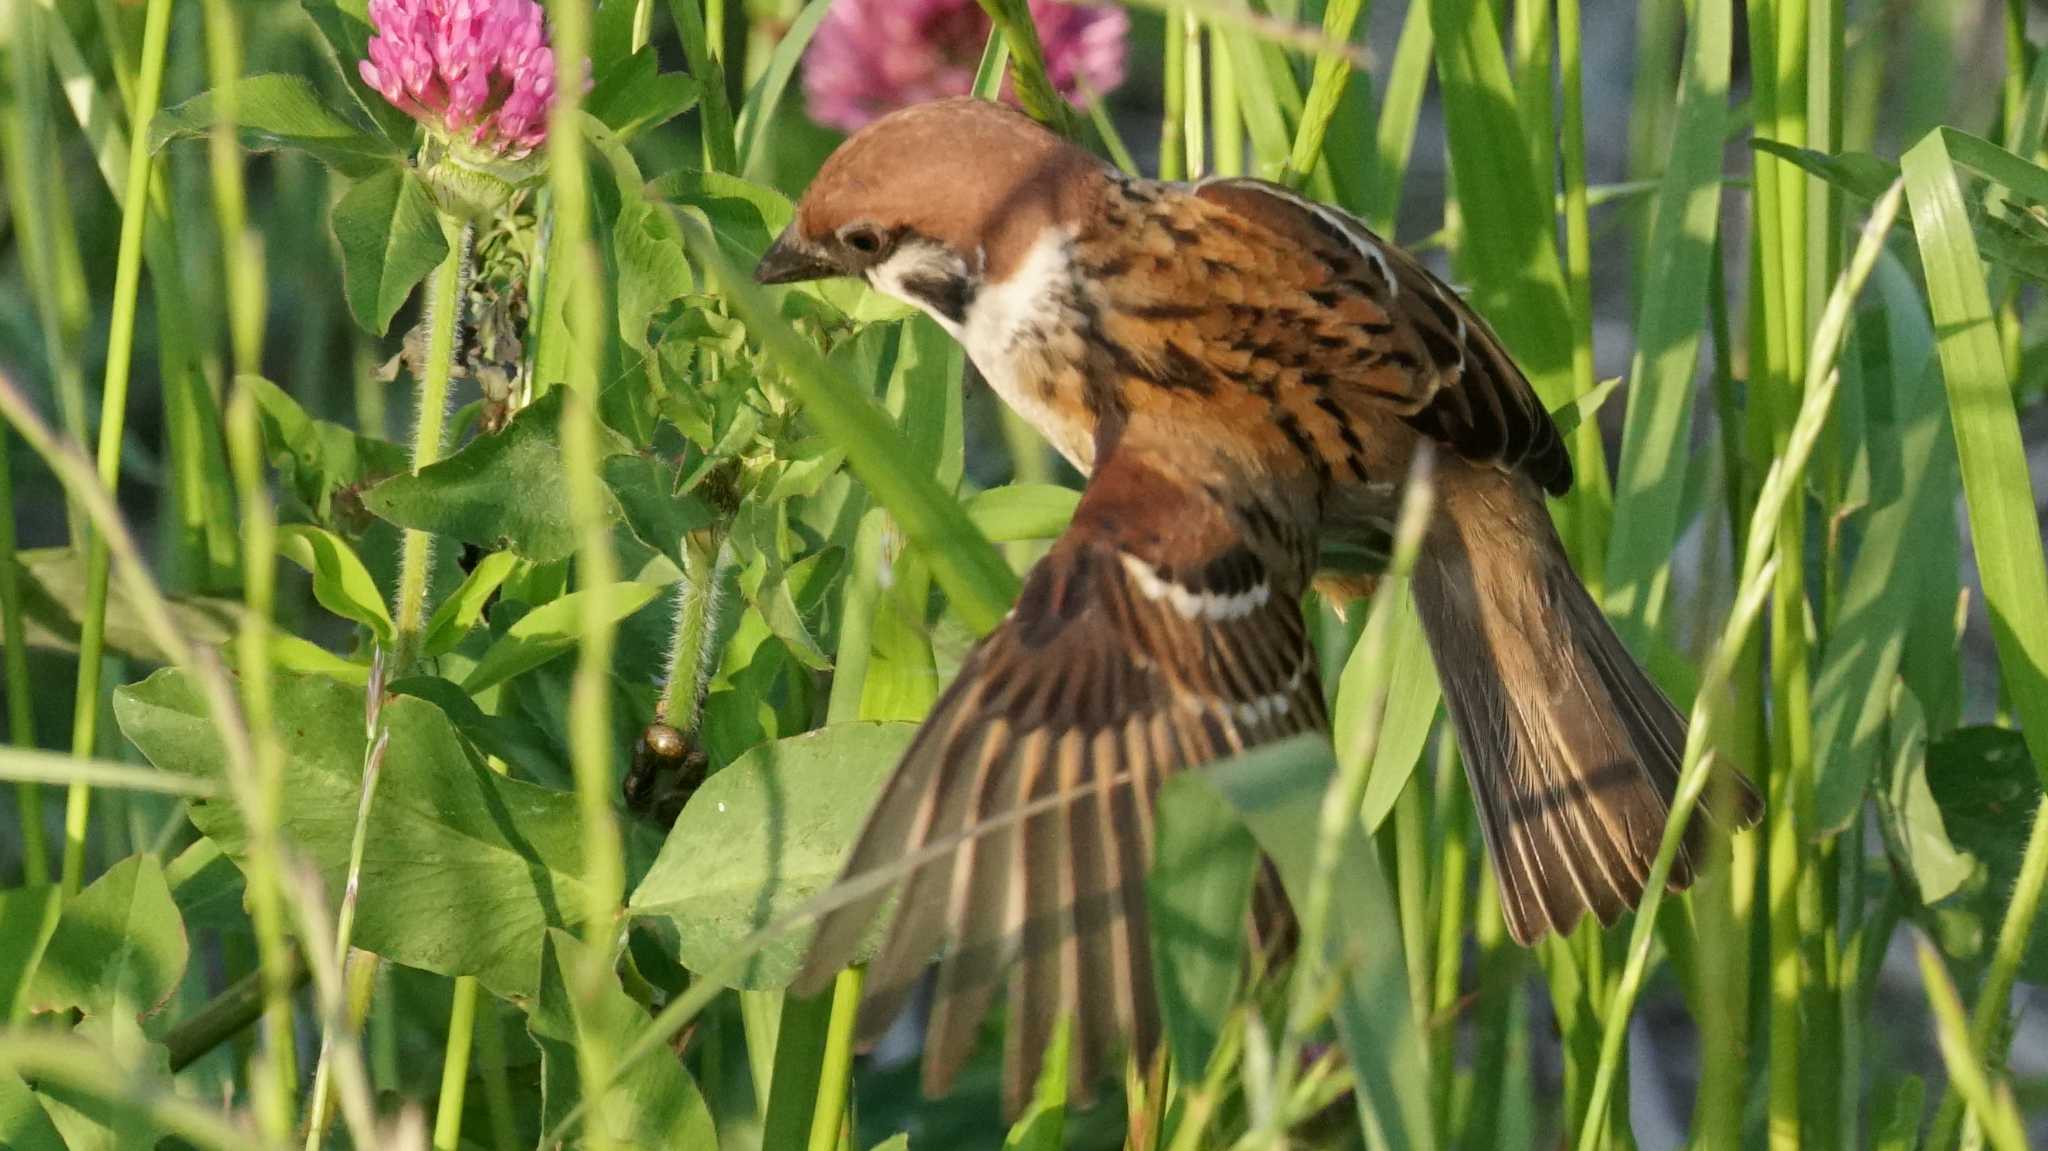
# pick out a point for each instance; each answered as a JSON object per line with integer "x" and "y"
{"x": 693, "y": 653}
{"x": 113, "y": 419}
{"x": 444, "y": 305}
{"x": 444, "y": 319}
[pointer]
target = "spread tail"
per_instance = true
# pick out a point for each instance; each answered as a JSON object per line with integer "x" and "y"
{"x": 1571, "y": 750}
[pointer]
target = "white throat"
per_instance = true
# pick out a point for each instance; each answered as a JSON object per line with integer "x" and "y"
{"x": 1011, "y": 329}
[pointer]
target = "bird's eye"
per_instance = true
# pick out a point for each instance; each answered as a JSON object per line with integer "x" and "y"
{"x": 864, "y": 240}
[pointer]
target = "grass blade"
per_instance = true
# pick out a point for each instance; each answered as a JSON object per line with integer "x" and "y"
{"x": 1650, "y": 481}
{"x": 1996, "y": 488}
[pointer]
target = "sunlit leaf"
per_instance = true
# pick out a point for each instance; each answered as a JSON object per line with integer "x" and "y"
{"x": 340, "y": 581}
{"x": 281, "y": 111}
{"x": 467, "y": 867}
{"x": 764, "y": 835}
{"x": 552, "y": 629}
{"x": 118, "y": 941}
{"x": 503, "y": 492}
{"x": 390, "y": 238}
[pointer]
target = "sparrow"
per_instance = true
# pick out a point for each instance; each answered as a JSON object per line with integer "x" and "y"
{"x": 1245, "y": 376}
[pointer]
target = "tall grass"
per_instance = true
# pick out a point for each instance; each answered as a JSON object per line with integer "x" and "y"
{"x": 1815, "y": 272}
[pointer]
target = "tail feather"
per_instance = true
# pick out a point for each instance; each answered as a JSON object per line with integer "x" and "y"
{"x": 1571, "y": 750}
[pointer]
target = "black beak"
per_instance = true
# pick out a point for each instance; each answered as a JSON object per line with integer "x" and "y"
{"x": 790, "y": 260}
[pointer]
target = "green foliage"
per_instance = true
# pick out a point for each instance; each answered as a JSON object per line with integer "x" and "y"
{"x": 761, "y": 838}
{"x": 653, "y": 1105}
{"x": 1987, "y": 790}
{"x": 1277, "y": 792}
{"x": 550, "y": 630}
{"x": 469, "y": 866}
{"x": 390, "y": 239}
{"x": 784, "y": 551}
{"x": 503, "y": 492}
{"x": 283, "y": 112}
{"x": 1199, "y": 893}
{"x": 340, "y": 581}
{"x": 119, "y": 943}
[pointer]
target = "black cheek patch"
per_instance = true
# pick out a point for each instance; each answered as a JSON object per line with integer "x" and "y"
{"x": 949, "y": 296}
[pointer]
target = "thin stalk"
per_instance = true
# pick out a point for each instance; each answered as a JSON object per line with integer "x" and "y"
{"x": 1027, "y": 67}
{"x": 1782, "y": 488}
{"x": 828, "y": 1117}
{"x": 1988, "y": 1030}
{"x": 263, "y": 868}
{"x": 26, "y": 199}
{"x": 1173, "y": 152}
{"x": 444, "y": 318}
{"x": 455, "y": 1056}
{"x": 455, "y": 1065}
{"x": 1454, "y": 853}
{"x": 276, "y": 1073}
{"x": 21, "y": 723}
{"x": 156, "y": 33}
{"x": 1773, "y": 388}
{"x": 721, "y": 147}
{"x": 1819, "y": 927}
{"x": 331, "y": 998}
{"x": 377, "y": 737}
{"x": 49, "y": 242}
{"x": 242, "y": 270}
{"x": 590, "y": 750}
{"x": 1992, "y": 1105}
{"x": 1594, "y": 499}
{"x": 1394, "y": 139}
{"x": 1411, "y": 853}
{"x": 1226, "y": 114}
{"x": 2014, "y": 87}
{"x": 1194, "y": 119}
{"x": 1721, "y": 898}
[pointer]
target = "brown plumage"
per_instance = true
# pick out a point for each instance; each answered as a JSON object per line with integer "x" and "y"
{"x": 1247, "y": 376}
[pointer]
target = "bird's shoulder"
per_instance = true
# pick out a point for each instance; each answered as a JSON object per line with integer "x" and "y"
{"x": 1247, "y": 283}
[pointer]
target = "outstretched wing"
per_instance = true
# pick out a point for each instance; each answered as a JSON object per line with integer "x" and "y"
{"x": 1158, "y": 633}
{"x": 1379, "y": 321}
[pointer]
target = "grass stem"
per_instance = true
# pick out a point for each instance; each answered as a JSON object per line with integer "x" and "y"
{"x": 156, "y": 34}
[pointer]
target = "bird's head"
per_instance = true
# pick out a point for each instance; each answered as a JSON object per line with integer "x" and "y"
{"x": 933, "y": 203}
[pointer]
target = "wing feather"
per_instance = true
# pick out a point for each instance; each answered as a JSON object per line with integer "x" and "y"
{"x": 1391, "y": 329}
{"x": 1159, "y": 633}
